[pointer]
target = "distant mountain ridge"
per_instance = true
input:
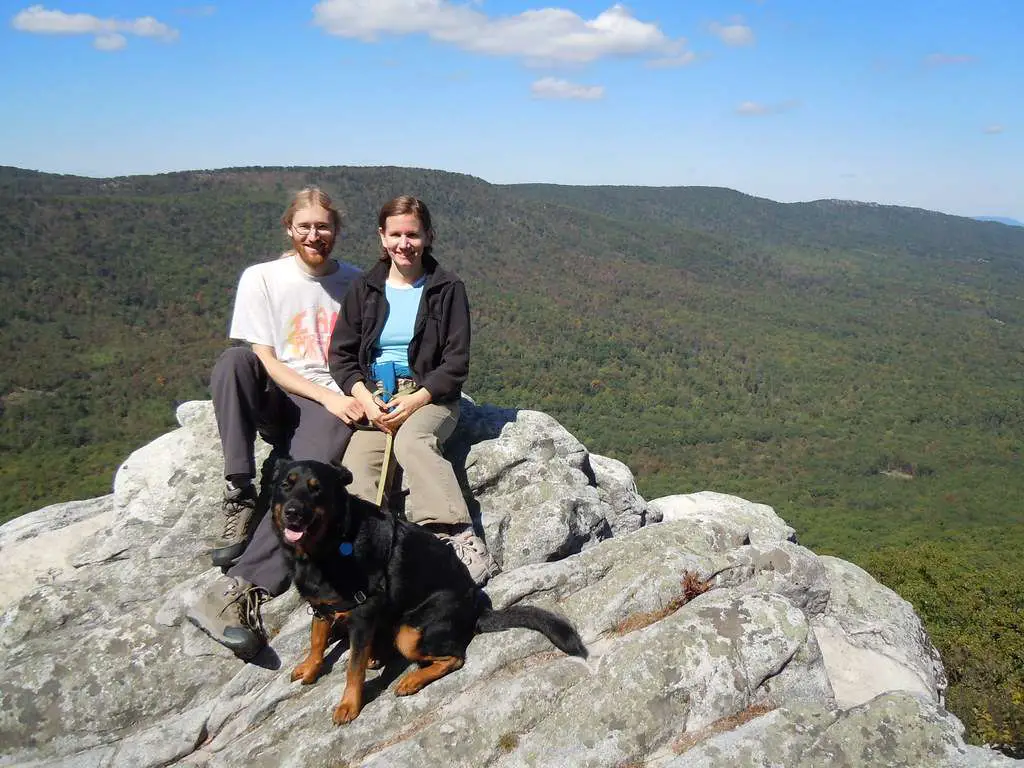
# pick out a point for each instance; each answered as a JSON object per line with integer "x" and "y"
{"x": 1001, "y": 220}
{"x": 825, "y": 224}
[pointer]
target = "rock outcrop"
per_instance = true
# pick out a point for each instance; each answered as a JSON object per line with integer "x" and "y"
{"x": 715, "y": 638}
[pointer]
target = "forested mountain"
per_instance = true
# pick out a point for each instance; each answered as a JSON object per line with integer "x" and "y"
{"x": 858, "y": 367}
{"x": 828, "y": 224}
{"x": 1001, "y": 220}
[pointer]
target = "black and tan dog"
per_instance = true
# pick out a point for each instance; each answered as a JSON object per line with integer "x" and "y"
{"x": 394, "y": 583}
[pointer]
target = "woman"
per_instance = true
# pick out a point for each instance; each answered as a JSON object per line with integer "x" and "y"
{"x": 410, "y": 312}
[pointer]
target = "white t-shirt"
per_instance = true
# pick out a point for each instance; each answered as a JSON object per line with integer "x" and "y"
{"x": 281, "y": 306}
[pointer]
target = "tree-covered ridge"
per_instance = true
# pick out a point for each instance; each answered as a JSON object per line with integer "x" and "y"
{"x": 857, "y": 367}
{"x": 827, "y": 224}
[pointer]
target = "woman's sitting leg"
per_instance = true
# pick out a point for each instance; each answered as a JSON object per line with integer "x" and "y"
{"x": 435, "y": 496}
{"x": 364, "y": 458}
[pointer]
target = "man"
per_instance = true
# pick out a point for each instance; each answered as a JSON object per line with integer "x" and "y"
{"x": 280, "y": 387}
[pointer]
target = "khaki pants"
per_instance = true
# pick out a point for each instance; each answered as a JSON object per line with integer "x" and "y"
{"x": 434, "y": 492}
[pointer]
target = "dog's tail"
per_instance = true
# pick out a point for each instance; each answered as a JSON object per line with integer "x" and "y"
{"x": 556, "y": 629}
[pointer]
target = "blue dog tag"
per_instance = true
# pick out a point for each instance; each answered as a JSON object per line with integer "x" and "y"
{"x": 346, "y": 548}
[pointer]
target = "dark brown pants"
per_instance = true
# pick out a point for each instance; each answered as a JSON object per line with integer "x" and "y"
{"x": 248, "y": 402}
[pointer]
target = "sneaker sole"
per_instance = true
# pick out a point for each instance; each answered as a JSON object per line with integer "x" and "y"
{"x": 241, "y": 648}
{"x": 223, "y": 556}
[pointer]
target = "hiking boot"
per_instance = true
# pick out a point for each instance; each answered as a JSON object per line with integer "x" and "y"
{"x": 240, "y": 521}
{"x": 472, "y": 551}
{"x": 229, "y": 612}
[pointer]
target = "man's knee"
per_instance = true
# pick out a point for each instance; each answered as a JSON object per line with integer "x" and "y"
{"x": 235, "y": 362}
{"x": 319, "y": 435}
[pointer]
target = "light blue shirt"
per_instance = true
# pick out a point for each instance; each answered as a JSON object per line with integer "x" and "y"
{"x": 393, "y": 344}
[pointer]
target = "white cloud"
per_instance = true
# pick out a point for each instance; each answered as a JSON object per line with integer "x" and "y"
{"x": 109, "y": 42}
{"x": 682, "y": 60}
{"x": 734, "y": 35}
{"x": 995, "y": 128}
{"x": 109, "y": 34}
{"x": 198, "y": 10}
{"x": 751, "y": 108}
{"x": 947, "y": 59}
{"x": 554, "y": 88}
{"x": 539, "y": 36}
{"x": 756, "y": 109}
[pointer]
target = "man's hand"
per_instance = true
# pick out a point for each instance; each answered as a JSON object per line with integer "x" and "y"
{"x": 348, "y": 409}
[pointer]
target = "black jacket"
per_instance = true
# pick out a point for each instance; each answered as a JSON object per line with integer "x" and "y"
{"x": 439, "y": 350}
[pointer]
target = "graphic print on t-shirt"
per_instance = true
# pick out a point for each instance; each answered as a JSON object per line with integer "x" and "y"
{"x": 309, "y": 335}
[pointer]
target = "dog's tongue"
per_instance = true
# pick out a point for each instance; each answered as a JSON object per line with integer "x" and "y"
{"x": 291, "y": 535}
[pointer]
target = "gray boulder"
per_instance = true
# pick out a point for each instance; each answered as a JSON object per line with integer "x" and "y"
{"x": 737, "y": 520}
{"x": 892, "y": 729}
{"x": 714, "y": 637}
{"x": 57, "y": 531}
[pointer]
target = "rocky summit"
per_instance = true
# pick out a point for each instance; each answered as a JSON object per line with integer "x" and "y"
{"x": 714, "y": 637}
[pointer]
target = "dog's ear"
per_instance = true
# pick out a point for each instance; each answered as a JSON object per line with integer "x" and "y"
{"x": 282, "y": 466}
{"x": 344, "y": 476}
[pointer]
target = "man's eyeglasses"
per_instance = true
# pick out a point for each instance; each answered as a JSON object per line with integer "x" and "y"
{"x": 305, "y": 229}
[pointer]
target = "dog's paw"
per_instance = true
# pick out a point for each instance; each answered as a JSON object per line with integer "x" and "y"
{"x": 408, "y": 685}
{"x": 308, "y": 672}
{"x": 346, "y": 711}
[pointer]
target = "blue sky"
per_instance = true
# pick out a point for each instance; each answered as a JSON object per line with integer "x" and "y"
{"x": 910, "y": 102}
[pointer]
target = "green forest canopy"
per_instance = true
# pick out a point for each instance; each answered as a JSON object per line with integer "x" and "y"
{"x": 858, "y": 367}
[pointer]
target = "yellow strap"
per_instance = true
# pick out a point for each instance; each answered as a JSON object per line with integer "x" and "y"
{"x": 385, "y": 469}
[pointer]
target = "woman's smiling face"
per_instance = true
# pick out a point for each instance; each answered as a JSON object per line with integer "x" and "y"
{"x": 404, "y": 239}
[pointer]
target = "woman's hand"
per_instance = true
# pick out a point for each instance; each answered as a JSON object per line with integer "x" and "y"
{"x": 348, "y": 409}
{"x": 371, "y": 405}
{"x": 400, "y": 408}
